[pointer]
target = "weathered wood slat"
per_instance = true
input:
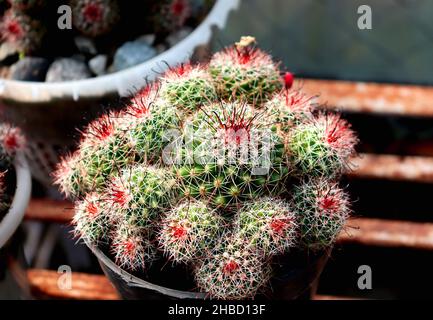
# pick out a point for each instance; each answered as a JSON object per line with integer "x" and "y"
{"x": 405, "y": 100}
{"x": 391, "y": 167}
{"x": 44, "y": 284}
{"x": 90, "y": 287}
{"x": 328, "y": 297}
{"x": 50, "y": 210}
{"x": 388, "y": 233}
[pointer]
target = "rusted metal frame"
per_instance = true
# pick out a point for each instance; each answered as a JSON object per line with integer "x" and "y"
{"x": 404, "y": 100}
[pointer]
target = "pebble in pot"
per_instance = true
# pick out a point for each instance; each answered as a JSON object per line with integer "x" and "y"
{"x": 131, "y": 54}
{"x": 67, "y": 69}
{"x": 98, "y": 64}
{"x": 30, "y": 69}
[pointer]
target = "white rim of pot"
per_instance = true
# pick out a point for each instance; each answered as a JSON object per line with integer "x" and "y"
{"x": 11, "y": 221}
{"x": 134, "y": 281}
{"x": 125, "y": 81}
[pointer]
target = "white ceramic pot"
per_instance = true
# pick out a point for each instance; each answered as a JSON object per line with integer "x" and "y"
{"x": 50, "y": 113}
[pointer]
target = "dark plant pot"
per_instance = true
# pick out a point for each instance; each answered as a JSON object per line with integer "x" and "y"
{"x": 295, "y": 278}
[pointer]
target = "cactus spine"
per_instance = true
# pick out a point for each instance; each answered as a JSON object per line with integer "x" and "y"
{"x": 268, "y": 225}
{"x": 322, "y": 209}
{"x": 189, "y": 230}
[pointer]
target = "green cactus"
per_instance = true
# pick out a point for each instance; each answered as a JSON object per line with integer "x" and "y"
{"x": 287, "y": 109}
{"x": 268, "y": 225}
{"x": 246, "y": 72}
{"x": 187, "y": 87}
{"x": 227, "y": 160}
{"x": 140, "y": 194}
{"x": 132, "y": 247}
{"x": 322, "y": 146}
{"x": 232, "y": 271}
{"x": 70, "y": 176}
{"x": 199, "y": 169}
{"x": 152, "y": 134}
{"x": 91, "y": 220}
{"x": 322, "y": 209}
{"x": 189, "y": 230}
{"x": 106, "y": 148}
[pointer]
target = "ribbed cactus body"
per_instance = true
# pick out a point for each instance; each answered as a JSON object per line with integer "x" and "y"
{"x": 140, "y": 194}
{"x": 232, "y": 271}
{"x": 232, "y": 157}
{"x": 152, "y": 134}
{"x": 246, "y": 72}
{"x": 268, "y": 225}
{"x": 322, "y": 146}
{"x": 288, "y": 109}
{"x": 106, "y": 148}
{"x": 132, "y": 247}
{"x": 188, "y": 88}
{"x": 91, "y": 220}
{"x": 322, "y": 209}
{"x": 189, "y": 230}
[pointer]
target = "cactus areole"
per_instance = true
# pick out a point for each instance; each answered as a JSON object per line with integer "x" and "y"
{"x": 218, "y": 168}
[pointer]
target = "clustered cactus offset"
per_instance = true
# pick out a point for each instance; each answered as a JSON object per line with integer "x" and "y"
{"x": 220, "y": 167}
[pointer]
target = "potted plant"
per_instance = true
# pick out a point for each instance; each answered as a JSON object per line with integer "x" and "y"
{"x": 112, "y": 48}
{"x": 15, "y": 188}
{"x": 216, "y": 181}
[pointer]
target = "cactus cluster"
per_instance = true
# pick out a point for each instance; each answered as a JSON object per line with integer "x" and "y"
{"x": 245, "y": 72}
{"x": 220, "y": 167}
{"x": 95, "y": 17}
{"x": 232, "y": 270}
